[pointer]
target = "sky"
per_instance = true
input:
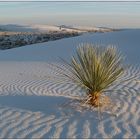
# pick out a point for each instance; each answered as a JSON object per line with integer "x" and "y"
{"x": 105, "y": 14}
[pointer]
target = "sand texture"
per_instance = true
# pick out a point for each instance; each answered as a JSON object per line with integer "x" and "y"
{"x": 34, "y": 105}
{"x": 26, "y": 110}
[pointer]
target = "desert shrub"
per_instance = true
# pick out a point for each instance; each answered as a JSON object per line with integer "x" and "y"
{"x": 1, "y": 39}
{"x": 94, "y": 68}
{"x": 20, "y": 42}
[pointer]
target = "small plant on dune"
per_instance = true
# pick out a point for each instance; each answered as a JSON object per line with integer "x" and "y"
{"x": 95, "y": 69}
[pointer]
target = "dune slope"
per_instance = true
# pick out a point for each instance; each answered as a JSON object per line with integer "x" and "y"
{"x": 34, "y": 106}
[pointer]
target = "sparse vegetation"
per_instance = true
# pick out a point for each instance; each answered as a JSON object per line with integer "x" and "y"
{"x": 95, "y": 69}
{"x": 10, "y": 40}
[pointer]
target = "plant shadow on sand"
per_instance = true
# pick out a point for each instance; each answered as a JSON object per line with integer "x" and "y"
{"x": 51, "y": 105}
{"x": 44, "y": 104}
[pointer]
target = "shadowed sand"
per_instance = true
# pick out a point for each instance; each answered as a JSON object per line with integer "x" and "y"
{"x": 33, "y": 106}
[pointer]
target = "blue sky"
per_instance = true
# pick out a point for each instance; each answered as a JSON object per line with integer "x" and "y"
{"x": 114, "y": 14}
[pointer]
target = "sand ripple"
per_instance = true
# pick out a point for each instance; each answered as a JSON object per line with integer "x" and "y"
{"x": 31, "y": 106}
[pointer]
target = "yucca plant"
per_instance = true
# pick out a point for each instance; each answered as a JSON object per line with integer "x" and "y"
{"x": 94, "y": 68}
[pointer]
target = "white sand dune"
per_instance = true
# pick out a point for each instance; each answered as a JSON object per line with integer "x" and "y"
{"x": 127, "y": 41}
{"x": 32, "y": 105}
{"x": 51, "y": 28}
{"x": 29, "y": 28}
